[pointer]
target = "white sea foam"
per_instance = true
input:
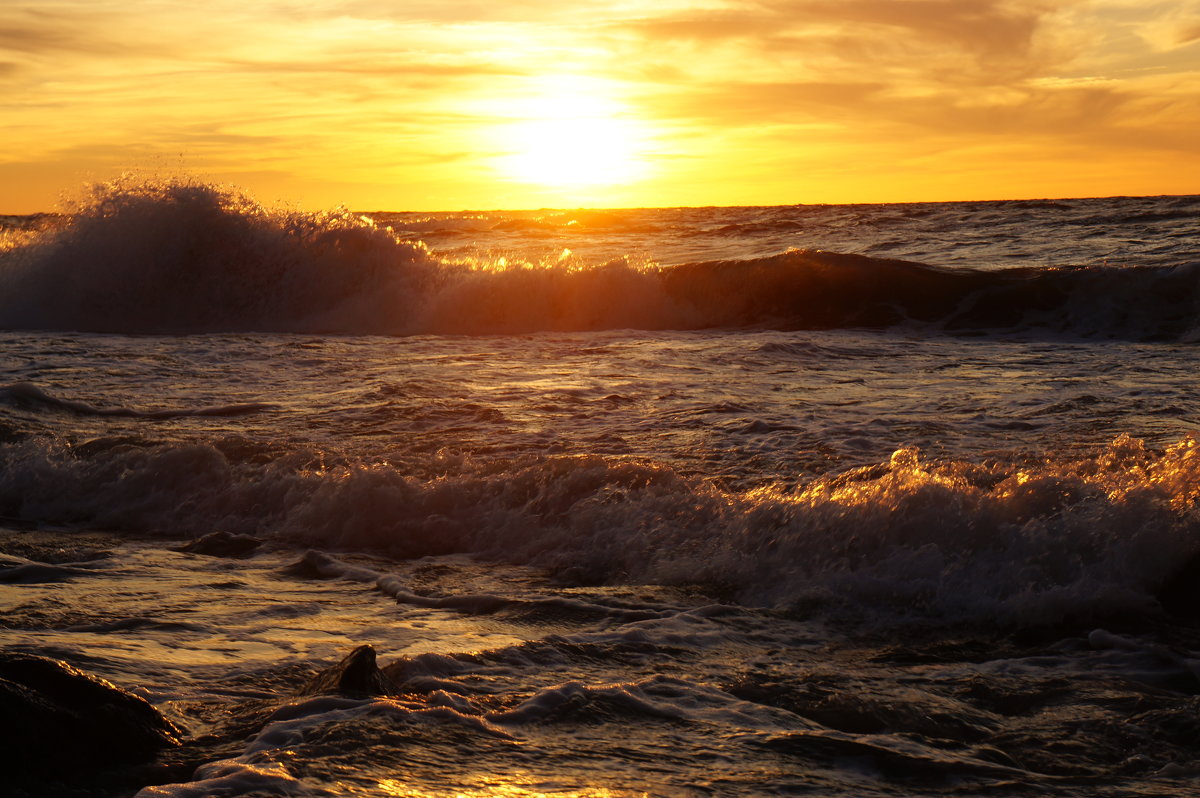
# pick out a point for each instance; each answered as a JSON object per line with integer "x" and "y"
{"x": 953, "y": 540}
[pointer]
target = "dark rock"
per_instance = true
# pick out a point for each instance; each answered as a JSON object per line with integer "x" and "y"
{"x": 61, "y": 722}
{"x": 222, "y": 544}
{"x": 1180, "y": 595}
{"x": 356, "y": 675}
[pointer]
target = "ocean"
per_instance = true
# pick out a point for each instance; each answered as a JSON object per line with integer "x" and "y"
{"x": 836, "y": 500}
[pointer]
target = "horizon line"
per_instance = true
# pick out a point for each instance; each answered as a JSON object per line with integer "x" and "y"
{"x": 547, "y": 208}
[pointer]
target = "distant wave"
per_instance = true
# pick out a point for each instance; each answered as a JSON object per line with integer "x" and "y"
{"x": 1053, "y": 539}
{"x": 819, "y": 290}
{"x": 28, "y": 396}
{"x": 756, "y": 228}
{"x": 180, "y": 257}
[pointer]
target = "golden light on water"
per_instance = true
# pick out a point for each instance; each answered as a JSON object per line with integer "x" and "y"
{"x": 395, "y": 788}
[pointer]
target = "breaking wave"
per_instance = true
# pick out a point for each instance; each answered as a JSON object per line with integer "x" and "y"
{"x": 182, "y": 257}
{"x": 1044, "y": 542}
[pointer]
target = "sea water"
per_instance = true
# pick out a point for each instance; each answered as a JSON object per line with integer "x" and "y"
{"x": 832, "y": 500}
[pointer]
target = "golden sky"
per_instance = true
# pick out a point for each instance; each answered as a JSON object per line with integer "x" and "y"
{"x": 453, "y": 104}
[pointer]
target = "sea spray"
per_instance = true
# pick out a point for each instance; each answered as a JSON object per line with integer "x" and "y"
{"x": 185, "y": 256}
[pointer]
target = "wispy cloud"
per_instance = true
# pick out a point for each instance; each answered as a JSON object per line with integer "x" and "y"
{"x": 356, "y": 93}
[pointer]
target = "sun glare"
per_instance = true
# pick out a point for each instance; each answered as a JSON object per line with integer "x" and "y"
{"x": 568, "y": 134}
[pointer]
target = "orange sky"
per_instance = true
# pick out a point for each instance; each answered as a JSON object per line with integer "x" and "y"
{"x": 450, "y": 104}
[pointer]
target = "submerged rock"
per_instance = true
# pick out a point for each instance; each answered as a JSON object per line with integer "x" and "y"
{"x": 222, "y": 544}
{"x": 62, "y": 722}
{"x": 356, "y": 675}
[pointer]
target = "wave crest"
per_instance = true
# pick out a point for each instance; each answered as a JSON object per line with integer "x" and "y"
{"x": 181, "y": 256}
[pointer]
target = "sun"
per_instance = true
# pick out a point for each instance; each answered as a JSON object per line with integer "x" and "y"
{"x": 574, "y": 151}
{"x": 569, "y": 133}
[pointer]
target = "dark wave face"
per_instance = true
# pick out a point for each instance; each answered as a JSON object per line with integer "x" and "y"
{"x": 821, "y": 290}
{"x": 184, "y": 257}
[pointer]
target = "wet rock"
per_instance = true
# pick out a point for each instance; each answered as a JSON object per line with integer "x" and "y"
{"x": 62, "y": 722}
{"x": 356, "y": 675}
{"x": 1180, "y": 595}
{"x": 310, "y": 566}
{"x": 222, "y": 544}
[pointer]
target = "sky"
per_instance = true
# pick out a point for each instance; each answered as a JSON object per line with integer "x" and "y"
{"x": 479, "y": 104}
